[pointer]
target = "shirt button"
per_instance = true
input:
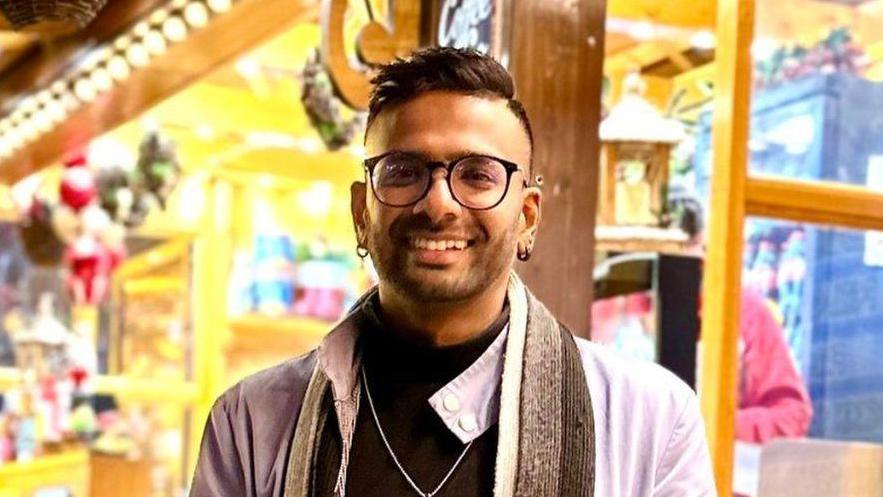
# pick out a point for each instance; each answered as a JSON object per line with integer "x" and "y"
{"x": 451, "y": 403}
{"x": 468, "y": 423}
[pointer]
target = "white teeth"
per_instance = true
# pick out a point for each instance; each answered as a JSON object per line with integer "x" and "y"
{"x": 424, "y": 244}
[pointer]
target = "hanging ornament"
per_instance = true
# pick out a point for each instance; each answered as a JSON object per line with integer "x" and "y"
{"x": 39, "y": 238}
{"x": 324, "y": 109}
{"x": 91, "y": 264}
{"x": 66, "y": 223}
{"x": 157, "y": 171}
{"x": 115, "y": 193}
{"x": 78, "y": 188}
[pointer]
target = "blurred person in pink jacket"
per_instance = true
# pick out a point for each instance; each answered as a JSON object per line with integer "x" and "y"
{"x": 773, "y": 400}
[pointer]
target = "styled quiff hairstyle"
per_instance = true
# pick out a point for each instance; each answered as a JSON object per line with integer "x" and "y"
{"x": 454, "y": 70}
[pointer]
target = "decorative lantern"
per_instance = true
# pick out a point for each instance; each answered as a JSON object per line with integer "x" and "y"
{"x": 50, "y": 16}
{"x": 637, "y": 140}
{"x": 37, "y": 349}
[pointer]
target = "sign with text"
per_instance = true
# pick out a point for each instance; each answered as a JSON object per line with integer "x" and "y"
{"x": 470, "y": 24}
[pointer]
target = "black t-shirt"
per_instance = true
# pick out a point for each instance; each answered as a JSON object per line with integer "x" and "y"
{"x": 402, "y": 377}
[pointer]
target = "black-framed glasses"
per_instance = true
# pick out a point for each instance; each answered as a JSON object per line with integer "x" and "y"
{"x": 477, "y": 182}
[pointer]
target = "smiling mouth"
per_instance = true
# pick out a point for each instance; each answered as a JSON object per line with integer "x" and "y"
{"x": 440, "y": 245}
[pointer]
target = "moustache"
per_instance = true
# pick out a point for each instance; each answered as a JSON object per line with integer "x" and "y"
{"x": 405, "y": 227}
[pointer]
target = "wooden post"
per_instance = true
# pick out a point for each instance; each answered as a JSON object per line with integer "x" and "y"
{"x": 211, "y": 265}
{"x": 556, "y": 51}
{"x": 723, "y": 270}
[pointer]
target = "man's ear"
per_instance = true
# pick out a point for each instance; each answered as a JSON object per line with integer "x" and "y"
{"x": 531, "y": 210}
{"x": 359, "y": 207}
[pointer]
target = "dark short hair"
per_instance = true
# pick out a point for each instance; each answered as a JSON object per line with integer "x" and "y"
{"x": 457, "y": 70}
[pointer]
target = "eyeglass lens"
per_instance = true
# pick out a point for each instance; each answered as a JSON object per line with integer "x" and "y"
{"x": 476, "y": 182}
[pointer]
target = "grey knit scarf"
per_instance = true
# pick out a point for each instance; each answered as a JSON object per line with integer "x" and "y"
{"x": 546, "y": 442}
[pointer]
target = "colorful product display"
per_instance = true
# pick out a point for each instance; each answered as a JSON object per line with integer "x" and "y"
{"x": 284, "y": 278}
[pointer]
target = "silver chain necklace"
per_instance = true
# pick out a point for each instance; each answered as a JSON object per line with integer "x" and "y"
{"x": 396, "y": 459}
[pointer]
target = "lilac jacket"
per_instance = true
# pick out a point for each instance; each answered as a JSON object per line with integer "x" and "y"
{"x": 650, "y": 439}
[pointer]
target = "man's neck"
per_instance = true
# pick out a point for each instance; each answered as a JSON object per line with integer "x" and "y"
{"x": 442, "y": 324}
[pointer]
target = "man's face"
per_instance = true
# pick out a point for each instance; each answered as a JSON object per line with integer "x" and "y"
{"x": 409, "y": 244}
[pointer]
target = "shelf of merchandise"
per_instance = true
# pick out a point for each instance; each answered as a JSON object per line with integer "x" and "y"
{"x": 641, "y": 239}
{"x": 69, "y": 469}
{"x": 137, "y": 389}
{"x": 297, "y": 334}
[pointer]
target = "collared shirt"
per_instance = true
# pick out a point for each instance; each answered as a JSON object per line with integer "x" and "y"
{"x": 403, "y": 375}
{"x": 649, "y": 436}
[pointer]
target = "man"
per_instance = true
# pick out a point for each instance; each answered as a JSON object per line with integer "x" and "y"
{"x": 450, "y": 378}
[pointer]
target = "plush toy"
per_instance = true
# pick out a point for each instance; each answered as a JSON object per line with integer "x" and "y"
{"x": 78, "y": 187}
{"x": 90, "y": 264}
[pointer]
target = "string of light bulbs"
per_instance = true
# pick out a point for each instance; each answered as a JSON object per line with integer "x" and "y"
{"x": 102, "y": 69}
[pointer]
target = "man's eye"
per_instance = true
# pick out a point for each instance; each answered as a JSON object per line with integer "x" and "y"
{"x": 478, "y": 176}
{"x": 399, "y": 174}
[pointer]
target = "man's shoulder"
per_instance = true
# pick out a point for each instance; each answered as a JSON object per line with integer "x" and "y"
{"x": 651, "y": 439}
{"x": 279, "y": 386}
{"x": 614, "y": 379}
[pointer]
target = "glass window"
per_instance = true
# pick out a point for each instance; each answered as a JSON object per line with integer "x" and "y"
{"x": 811, "y": 334}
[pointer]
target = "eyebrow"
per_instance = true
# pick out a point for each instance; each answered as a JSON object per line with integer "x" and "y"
{"x": 453, "y": 156}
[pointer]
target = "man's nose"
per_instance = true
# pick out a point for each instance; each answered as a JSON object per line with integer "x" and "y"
{"x": 439, "y": 202}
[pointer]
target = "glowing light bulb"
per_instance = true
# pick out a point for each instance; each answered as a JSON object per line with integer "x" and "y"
{"x": 704, "y": 40}
{"x": 44, "y": 97}
{"x": 122, "y": 43}
{"x": 174, "y": 29}
{"x": 28, "y": 131}
{"x": 159, "y": 16}
{"x": 15, "y": 139}
{"x": 137, "y": 55}
{"x": 18, "y": 116}
{"x": 219, "y": 6}
{"x": 28, "y": 105}
{"x": 141, "y": 29}
{"x": 205, "y": 132}
{"x": 55, "y": 111}
{"x": 85, "y": 90}
{"x": 59, "y": 87}
{"x": 102, "y": 80}
{"x": 69, "y": 101}
{"x": 642, "y": 31}
{"x": 196, "y": 14}
{"x": 42, "y": 123}
{"x": 118, "y": 67}
{"x": 155, "y": 42}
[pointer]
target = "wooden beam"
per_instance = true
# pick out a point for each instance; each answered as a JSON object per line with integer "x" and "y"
{"x": 676, "y": 54}
{"x": 819, "y": 203}
{"x": 556, "y": 51}
{"x": 55, "y": 56}
{"x": 682, "y": 13}
{"x": 249, "y": 23}
{"x": 722, "y": 286}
